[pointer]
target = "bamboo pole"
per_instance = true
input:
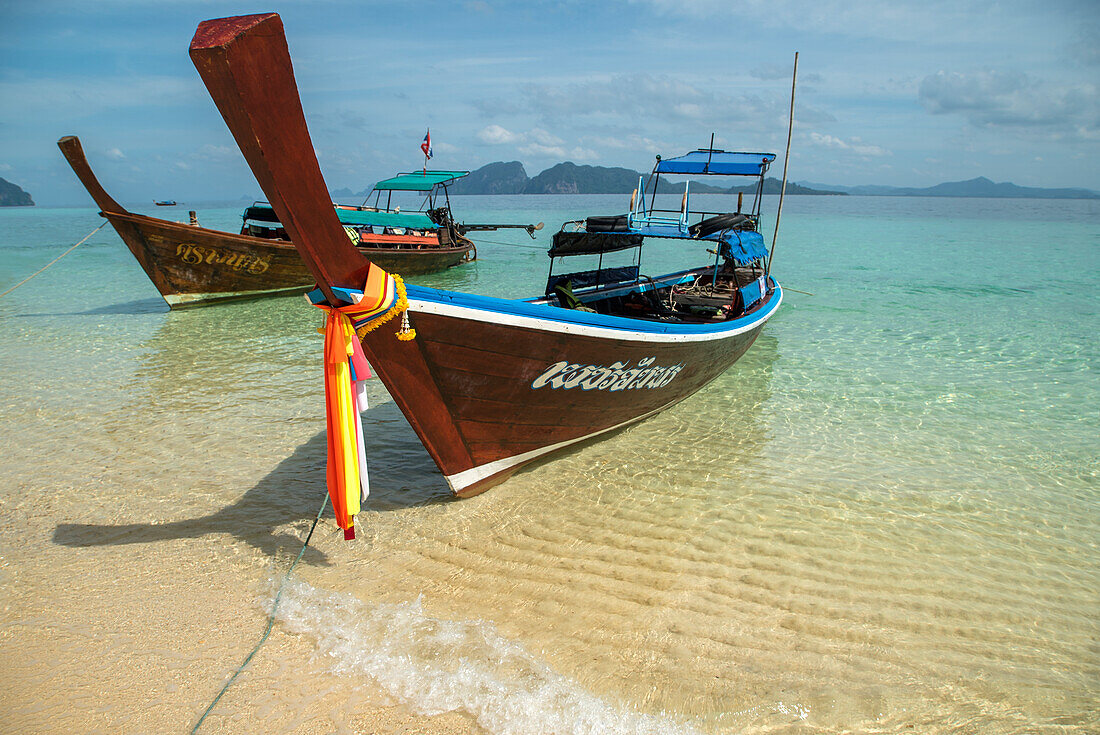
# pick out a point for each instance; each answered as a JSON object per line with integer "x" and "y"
{"x": 786, "y": 160}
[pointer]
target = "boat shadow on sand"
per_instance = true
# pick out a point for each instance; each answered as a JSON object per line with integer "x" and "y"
{"x": 401, "y": 472}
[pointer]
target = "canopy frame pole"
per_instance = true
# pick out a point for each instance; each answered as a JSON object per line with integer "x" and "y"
{"x": 655, "y": 177}
{"x": 786, "y": 160}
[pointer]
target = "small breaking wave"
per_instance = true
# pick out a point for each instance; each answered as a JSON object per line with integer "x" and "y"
{"x": 435, "y": 666}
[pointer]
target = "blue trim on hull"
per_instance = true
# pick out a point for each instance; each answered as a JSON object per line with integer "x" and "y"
{"x": 546, "y": 312}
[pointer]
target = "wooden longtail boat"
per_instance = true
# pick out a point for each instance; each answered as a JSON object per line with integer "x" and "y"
{"x": 383, "y": 226}
{"x": 491, "y": 384}
{"x": 192, "y": 265}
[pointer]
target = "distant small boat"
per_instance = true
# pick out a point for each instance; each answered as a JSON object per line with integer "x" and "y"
{"x": 192, "y": 265}
{"x": 166, "y": 203}
{"x": 491, "y": 384}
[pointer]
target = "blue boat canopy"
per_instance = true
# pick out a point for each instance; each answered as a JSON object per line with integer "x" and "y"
{"x": 713, "y": 162}
{"x": 419, "y": 180}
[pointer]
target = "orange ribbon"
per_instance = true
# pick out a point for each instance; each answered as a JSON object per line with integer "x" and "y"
{"x": 345, "y": 365}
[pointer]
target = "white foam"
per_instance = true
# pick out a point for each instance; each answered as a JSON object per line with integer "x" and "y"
{"x": 435, "y": 666}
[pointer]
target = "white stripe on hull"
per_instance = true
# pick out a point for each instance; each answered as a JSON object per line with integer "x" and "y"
{"x": 464, "y": 479}
{"x": 523, "y": 321}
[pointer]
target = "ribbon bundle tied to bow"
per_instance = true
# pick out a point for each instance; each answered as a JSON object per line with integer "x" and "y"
{"x": 346, "y": 372}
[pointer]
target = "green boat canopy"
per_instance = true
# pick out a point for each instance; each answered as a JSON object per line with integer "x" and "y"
{"x": 360, "y": 218}
{"x": 419, "y": 180}
{"x": 408, "y": 220}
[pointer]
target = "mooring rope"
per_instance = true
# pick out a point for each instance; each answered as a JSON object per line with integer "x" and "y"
{"x": 512, "y": 244}
{"x": 59, "y": 257}
{"x": 270, "y": 618}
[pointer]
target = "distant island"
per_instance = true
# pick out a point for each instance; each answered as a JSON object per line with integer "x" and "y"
{"x": 569, "y": 178}
{"x": 979, "y": 187}
{"x": 12, "y": 196}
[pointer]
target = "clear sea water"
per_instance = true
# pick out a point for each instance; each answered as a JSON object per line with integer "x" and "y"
{"x": 885, "y": 518}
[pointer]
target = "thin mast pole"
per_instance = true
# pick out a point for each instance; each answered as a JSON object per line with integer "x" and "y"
{"x": 786, "y": 160}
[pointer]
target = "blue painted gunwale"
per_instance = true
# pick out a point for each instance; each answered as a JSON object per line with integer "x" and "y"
{"x": 537, "y": 310}
{"x": 532, "y": 309}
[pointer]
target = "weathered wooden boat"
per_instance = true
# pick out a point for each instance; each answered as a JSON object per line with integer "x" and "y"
{"x": 491, "y": 384}
{"x": 192, "y": 265}
{"x": 385, "y": 226}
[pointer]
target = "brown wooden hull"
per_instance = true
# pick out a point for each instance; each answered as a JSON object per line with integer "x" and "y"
{"x": 192, "y": 265}
{"x": 479, "y": 387}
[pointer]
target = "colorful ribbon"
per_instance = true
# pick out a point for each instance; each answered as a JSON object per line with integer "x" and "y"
{"x": 346, "y": 371}
{"x": 387, "y": 299}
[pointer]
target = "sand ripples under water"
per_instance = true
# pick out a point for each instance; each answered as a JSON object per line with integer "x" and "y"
{"x": 882, "y": 519}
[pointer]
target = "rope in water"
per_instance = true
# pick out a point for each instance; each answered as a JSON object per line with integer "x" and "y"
{"x": 270, "y": 618}
{"x": 59, "y": 257}
{"x": 512, "y": 244}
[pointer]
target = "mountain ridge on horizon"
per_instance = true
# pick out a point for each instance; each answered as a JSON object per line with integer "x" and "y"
{"x": 511, "y": 177}
{"x": 501, "y": 177}
{"x": 979, "y": 186}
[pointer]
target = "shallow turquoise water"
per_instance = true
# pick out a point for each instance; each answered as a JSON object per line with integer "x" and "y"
{"x": 884, "y": 518}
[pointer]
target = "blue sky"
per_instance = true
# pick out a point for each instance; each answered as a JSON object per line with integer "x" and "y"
{"x": 899, "y": 93}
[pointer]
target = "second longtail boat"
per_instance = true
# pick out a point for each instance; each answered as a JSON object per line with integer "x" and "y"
{"x": 191, "y": 265}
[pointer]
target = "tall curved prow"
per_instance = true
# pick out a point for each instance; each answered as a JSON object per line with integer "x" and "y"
{"x": 245, "y": 63}
{"x": 124, "y": 222}
{"x": 74, "y": 154}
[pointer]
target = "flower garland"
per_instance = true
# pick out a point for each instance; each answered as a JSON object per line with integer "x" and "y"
{"x": 400, "y": 306}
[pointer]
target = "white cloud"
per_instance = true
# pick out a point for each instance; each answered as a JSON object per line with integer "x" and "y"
{"x": 689, "y": 109}
{"x": 496, "y": 135}
{"x": 536, "y": 142}
{"x": 543, "y": 151}
{"x": 852, "y": 145}
{"x": 630, "y": 142}
{"x": 995, "y": 98}
{"x": 538, "y": 135}
{"x": 115, "y": 153}
{"x": 780, "y": 72}
{"x": 624, "y": 99}
{"x": 577, "y": 153}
